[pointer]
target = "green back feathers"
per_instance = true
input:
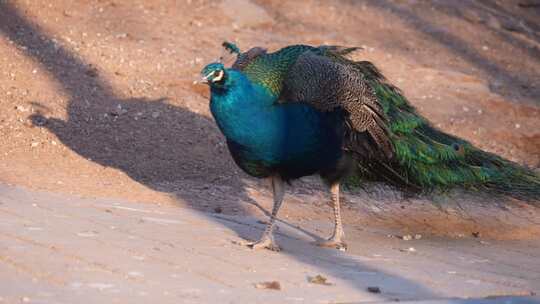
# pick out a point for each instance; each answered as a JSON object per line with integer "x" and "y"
{"x": 271, "y": 69}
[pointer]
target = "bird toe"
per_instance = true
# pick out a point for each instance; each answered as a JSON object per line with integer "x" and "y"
{"x": 265, "y": 243}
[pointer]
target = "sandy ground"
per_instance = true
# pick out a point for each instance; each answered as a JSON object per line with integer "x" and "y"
{"x": 63, "y": 249}
{"x": 99, "y": 101}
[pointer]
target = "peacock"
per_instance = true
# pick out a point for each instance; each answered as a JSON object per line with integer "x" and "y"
{"x": 305, "y": 110}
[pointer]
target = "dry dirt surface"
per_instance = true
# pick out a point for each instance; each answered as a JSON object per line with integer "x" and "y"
{"x": 99, "y": 99}
{"x": 57, "y": 248}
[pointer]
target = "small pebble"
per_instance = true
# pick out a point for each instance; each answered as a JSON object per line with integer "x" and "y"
{"x": 410, "y": 249}
{"x": 274, "y": 285}
{"x": 374, "y": 289}
{"x": 319, "y": 279}
{"x": 21, "y": 109}
{"x": 39, "y": 121}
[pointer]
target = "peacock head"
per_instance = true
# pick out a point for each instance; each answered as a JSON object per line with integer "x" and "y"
{"x": 215, "y": 75}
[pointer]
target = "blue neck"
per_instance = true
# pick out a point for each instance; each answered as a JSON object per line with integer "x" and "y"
{"x": 244, "y": 112}
{"x": 294, "y": 137}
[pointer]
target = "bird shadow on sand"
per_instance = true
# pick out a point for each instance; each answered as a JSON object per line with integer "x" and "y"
{"x": 108, "y": 130}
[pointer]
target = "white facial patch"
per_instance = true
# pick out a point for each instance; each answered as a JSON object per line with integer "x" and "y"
{"x": 218, "y": 77}
{"x": 208, "y": 76}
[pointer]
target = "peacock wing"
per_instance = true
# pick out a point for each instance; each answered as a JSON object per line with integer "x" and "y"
{"x": 330, "y": 84}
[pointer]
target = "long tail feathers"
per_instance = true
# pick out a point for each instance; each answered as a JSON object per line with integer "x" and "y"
{"x": 427, "y": 159}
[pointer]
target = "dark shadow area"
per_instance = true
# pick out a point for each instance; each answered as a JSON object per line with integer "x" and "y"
{"x": 461, "y": 48}
{"x": 523, "y": 18}
{"x": 108, "y": 130}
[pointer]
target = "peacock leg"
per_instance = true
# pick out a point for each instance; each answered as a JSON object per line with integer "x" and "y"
{"x": 336, "y": 240}
{"x": 267, "y": 239}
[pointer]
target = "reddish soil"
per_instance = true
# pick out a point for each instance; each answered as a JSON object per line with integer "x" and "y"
{"x": 98, "y": 99}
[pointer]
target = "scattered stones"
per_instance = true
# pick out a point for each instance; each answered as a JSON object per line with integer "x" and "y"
{"x": 122, "y": 35}
{"x": 21, "y": 108}
{"x": 406, "y": 237}
{"x": 119, "y": 110}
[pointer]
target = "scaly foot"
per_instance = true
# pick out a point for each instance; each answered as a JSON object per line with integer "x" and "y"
{"x": 263, "y": 243}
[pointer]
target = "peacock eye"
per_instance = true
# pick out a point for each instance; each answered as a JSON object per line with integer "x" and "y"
{"x": 217, "y": 76}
